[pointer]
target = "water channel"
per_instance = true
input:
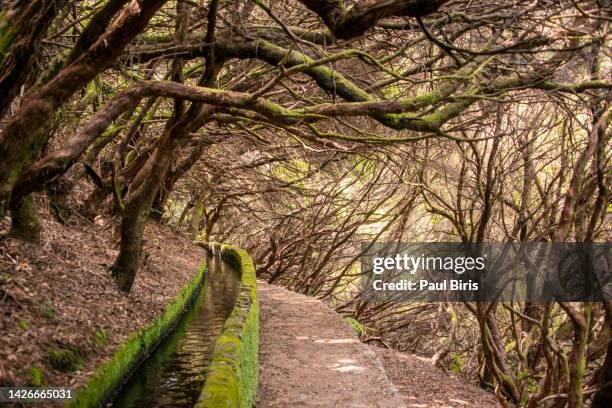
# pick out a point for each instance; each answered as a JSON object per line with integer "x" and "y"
{"x": 174, "y": 374}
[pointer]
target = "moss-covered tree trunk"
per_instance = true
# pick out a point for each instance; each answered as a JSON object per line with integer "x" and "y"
{"x": 196, "y": 219}
{"x": 580, "y": 314}
{"x": 148, "y": 181}
{"x": 132, "y": 228}
{"x": 142, "y": 191}
{"x": 25, "y": 221}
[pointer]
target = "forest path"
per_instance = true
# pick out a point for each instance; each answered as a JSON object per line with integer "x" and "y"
{"x": 309, "y": 357}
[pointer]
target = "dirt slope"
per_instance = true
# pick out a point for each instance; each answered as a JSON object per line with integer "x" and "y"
{"x": 60, "y": 311}
{"x": 424, "y": 386}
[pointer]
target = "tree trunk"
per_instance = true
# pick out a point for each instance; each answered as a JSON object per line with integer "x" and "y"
{"x": 143, "y": 189}
{"x": 603, "y": 396}
{"x": 132, "y": 228}
{"x": 580, "y": 315}
{"x": 173, "y": 176}
{"x": 198, "y": 211}
{"x": 148, "y": 181}
{"x": 25, "y": 221}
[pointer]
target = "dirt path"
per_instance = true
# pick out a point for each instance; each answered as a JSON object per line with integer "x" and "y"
{"x": 311, "y": 358}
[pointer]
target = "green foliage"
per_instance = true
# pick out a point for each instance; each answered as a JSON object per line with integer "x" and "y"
{"x": 355, "y": 325}
{"x": 100, "y": 338}
{"x": 68, "y": 359}
{"x": 292, "y": 172}
{"x": 364, "y": 167}
{"x": 109, "y": 376}
{"x": 393, "y": 91}
{"x": 23, "y": 324}
{"x": 523, "y": 374}
{"x": 233, "y": 374}
{"x": 48, "y": 311}
{"x": 35, "y": 376}
{"x": 456, "y": 363}
{"x": 532, "y": 385}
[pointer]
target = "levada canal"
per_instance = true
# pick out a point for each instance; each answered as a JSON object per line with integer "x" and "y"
{"x": 174, "y": 374}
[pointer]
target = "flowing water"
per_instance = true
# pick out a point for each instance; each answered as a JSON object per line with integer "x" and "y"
{"x": 174, "y": 374}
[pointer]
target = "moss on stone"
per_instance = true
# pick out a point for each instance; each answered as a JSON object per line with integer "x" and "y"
{"x": 233, "y": 374}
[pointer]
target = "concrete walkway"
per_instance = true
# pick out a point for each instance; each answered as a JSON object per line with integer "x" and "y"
{"x": 309, "y": 357}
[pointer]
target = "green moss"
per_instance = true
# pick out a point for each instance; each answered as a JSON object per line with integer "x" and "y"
{"x": 233, "y": 374}
{"x": 48, "y": 311}
{"x": 26, "y": 222}
{"x": 67, "y": 359}
{"x": 100, "y": 338}
{"x": 109, "y": 376}
{"x": 130, "y": 156}
{"x": 355, "y": 325}
{"x": 35, "y": 376}
{"x": 456, "y": 363}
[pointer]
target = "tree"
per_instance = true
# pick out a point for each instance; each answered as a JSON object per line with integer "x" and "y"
{"x": 302, "y": 129}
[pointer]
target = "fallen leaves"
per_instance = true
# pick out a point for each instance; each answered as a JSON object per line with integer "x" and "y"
{"x": 61, "y": 294}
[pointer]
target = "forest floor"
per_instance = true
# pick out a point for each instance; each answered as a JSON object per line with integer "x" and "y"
{"x": 424, "y": 386}
{"x": 310, "y": 357}
{"x": 61, "y": 313}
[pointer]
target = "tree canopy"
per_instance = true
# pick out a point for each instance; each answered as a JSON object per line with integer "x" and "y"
{"x": 301, "y": 129}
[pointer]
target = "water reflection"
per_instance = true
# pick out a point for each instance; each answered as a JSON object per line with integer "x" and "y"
{"x": 174, "y": 375}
